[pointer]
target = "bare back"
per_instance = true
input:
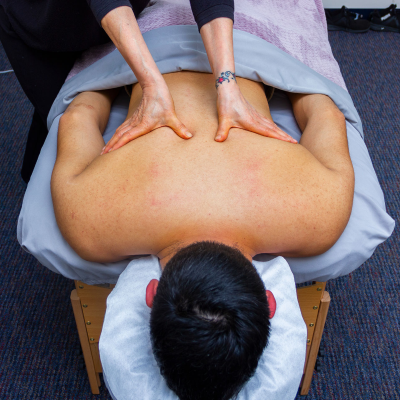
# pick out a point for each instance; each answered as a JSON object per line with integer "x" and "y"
{"x": 274, "y": 196}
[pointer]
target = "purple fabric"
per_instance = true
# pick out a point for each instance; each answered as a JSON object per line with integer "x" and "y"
{"x": 297, "y": 27}
{"x": 89, "y": 57}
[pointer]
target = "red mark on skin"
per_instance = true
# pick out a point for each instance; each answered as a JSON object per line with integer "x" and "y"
{"x": 253, "y": 165}
{"x": 153, "y": 169}
{"x": 125, "y": 186}
{"x": 251, "y": 177}
{"x": 154, "y": 172}
{"x": 164, "y": 200}
{"x": 72, "y": 215}
{"x": 154, "y": 202}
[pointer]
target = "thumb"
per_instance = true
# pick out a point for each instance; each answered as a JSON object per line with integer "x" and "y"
{"x": 223, "y": 130}
{"x": 180, "y": 129}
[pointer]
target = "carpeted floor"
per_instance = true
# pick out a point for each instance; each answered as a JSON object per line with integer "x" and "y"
{"x": 39, "y": 346}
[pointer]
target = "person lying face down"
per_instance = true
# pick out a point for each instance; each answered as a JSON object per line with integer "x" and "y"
{"x": 162, "y": 195}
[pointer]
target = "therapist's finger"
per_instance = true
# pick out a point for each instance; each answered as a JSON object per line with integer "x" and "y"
{"x": 268, "y": 129}
{"x": 223, "y": 130}
{"x": 129, "y": 135}
{"x": 121, "y": 131}
{"x": 112, "y": 141}
{"x": 179, "y": 128}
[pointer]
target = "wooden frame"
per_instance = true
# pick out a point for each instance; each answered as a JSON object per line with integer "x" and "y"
{"x": 89, "y": 306}
{"x": 314, "y": 304}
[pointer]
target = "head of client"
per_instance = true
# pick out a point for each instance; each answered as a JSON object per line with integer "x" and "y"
{"x": 209, "y": 321}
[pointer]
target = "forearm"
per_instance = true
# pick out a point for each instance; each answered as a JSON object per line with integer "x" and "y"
{"x": 233, "y": 109}
{"x": 217, "y": 37}
{"x": 121, "y": 26}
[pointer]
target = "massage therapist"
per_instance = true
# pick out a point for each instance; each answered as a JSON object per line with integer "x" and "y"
{"x": 43, "y": 38}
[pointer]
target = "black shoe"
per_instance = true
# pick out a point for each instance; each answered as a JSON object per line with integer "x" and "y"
{"x": 345, "y": 20}
{"x": 386, "y": 20}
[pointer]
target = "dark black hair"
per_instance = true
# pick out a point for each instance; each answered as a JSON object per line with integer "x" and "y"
{"x": 209, "y": 323}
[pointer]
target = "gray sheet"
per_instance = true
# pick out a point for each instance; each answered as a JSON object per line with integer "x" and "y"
{"x": 178, "y": 48}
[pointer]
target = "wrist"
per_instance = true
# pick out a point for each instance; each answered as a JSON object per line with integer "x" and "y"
{"x": 156, "y": 90}
{"x": 152, "y": 83}
{"x": 225, "y": 80}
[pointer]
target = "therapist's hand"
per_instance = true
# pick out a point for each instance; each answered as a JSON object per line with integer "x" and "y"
{"x": 155, "y": 110}
{"x": 234, "y": 111}
{"x": 157, "y": 107}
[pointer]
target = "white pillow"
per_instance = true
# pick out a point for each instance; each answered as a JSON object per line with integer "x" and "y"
{"x": 130, "y": 369}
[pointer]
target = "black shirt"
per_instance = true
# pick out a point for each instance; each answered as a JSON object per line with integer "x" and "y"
{"x": 74, "y": 25}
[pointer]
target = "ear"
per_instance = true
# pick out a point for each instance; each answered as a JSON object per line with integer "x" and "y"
{"x": 271, "y": 303}
{"x": 151, "y": 291}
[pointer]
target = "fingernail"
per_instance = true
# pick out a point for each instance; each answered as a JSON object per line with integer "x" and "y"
{"x": 189, "y": 135}
{"x": 218, "y": 137}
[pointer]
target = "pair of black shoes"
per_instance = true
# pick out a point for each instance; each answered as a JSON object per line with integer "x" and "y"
{"x": 345, "y": 20}
{"x": 387, "y": 20}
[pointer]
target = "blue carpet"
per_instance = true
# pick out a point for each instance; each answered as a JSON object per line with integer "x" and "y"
{"x": 39, "y": 345}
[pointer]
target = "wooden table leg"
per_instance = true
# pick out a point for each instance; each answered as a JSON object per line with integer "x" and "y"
{"x": 316, "y": 341}
{"x": 94, "y": 378}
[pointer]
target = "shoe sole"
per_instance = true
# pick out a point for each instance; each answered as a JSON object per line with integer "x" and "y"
{"x": 384, "y": 28}
{"x": 342, "y": 28}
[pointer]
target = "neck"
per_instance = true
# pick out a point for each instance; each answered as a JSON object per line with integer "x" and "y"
{"x": 167, "y": 253}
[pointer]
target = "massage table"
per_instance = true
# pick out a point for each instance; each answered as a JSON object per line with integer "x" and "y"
{"x": 271, "y": 46}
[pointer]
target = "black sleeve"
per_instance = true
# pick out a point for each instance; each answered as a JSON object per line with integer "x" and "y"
{"x": 203, "y": 10}
{"x": 206, "y": 10}
{"x": 102, "y": 7}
